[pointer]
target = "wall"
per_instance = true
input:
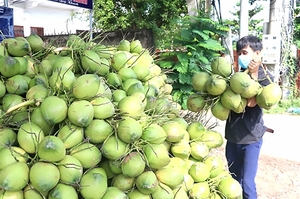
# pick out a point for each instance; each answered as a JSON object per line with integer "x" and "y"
{"x": 108, "y": 38}
{"x": 54, "y": 20}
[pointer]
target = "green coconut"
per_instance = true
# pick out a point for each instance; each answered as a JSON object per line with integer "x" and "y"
{"x": 136, "y": 194}
{"x": 240, "y": 82}
{"x": 196, "y": 129}
{"x": 131, "y": 106}
{"x": 269, "y": 96}
{"x": 216, "y": 84}
{"x": 62, "y": 80}
{"x": 93, "y": 63}
{"x": 19, "y": 48}
{"x": 11, "y": 100}
{"x": 70, "y": 170}
{"x": 17, "y": 84}
{"x": 122, "y": 182}
{"x": 29, "y": 136}
{"x": 51, "y": 149}
{"x": 136, "y": 46}
{"x": 141, "y": 68}
{"x": 120, "y": 60}
{"x": 200, "y": 190}
{"x": 103, "y": 108}
{"x": 216, "y": 165}
{"x": 171, "y": 177}
{"x": 114, "y": 148}
{"x": 124, "y": 45}
{"x": 14, "y": 177}
{"x": 63, "y": 63}
{"x": 230, "y": 99}
{"x": 37, "y": 92}
{"x": 129, "y": 130}
{"x": 114, "y": 79}
{"x": 212, "y": 138}
{"x": 86, "y": 86}
{"x": 2, "y": 89}
{"x": 163, "y": 191}
{"x": 196, "y": 102}
{"x": 221, "y": 66}
{"x": 71, "y": 135}
{"x": 199, "y": 80}
{"x": 36, "y": 42}
{"x": 63, "y": 191}
{"x": 118, "y": 95}
{"x": 10, "y": 155}
{"x": 175, "y": 132}
{"x": 154, "y": 134}
{"x": 98, "y": 131}
{"x": 199, "y": 171}
{"x": 11, "y": 194}
{"x": 92, "y": 180}
{"x": 230, "y": 188}
{"x": 133, "y": 165}
{"x": 147, "y": 182}
{"x": 81, "y": 113}
{"x": 54, "y": 110}
{"x": 10, "y": 66}
{"x": 127, "y": 73}
{"x": 157, "y": 155}
{"x": 199, "y": 150}
{"x": 30, "y": 192}
{"x": 37, "y": 118}
{"x": 87, "y": 154}
{"x": 7, "y": 137}
{"x": 23, "y": 64}
{"x": 219, "y": 111}
{"x": 241, "y": 107}
{"x": 252, "y": 90}
{"x": 181, "y": 149}
{"x": 41, "y": 180}
{"x": 114, "y": 192}
{"x": 45, "y": 67}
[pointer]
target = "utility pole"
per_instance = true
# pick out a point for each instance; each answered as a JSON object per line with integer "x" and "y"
{"x": 244, "y": 18}
{"x": 192, "y": 6}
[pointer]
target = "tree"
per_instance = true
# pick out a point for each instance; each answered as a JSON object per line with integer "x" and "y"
{"x": 255, "y": 27}
{"x": 297, "y": 25}
{"x": 136, "y": 14}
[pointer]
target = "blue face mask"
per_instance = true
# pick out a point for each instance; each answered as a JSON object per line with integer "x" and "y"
{"x": 244, "y": 61}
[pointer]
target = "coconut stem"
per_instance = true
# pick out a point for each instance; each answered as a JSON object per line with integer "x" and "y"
{"x": 13, "y": 108}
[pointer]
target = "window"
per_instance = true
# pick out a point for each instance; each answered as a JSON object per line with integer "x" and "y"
{"x": 37, "y": 30}
{"x": 19, "y": 31}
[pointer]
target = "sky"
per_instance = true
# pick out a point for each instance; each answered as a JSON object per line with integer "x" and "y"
{"x": 228, "y": 6}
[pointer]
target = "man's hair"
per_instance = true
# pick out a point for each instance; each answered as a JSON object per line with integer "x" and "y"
{"x": 253, "y": 42}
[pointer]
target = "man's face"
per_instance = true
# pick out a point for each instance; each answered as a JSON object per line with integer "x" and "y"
{"x": 247, "y": 51}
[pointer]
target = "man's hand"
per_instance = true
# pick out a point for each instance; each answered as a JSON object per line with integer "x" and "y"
{"x": 254, "y": 66}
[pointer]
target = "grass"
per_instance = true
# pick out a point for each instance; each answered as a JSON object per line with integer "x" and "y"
{"x": 284, "y": 106}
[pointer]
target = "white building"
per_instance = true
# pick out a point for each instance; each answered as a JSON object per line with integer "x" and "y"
{"x": 46, "y": 17}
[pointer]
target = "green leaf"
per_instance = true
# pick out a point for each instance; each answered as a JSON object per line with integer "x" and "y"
{"x": 201, "y": 34}
{"x": 211, "y": 44}
{"x": 184, "y": 79}
{"x": 180, "y": 67}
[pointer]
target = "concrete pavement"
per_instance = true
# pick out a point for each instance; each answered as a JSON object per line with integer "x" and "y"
{"x": 284, "y": 142}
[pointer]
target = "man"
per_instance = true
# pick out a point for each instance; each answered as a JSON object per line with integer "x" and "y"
{"x": 244, "y": 131}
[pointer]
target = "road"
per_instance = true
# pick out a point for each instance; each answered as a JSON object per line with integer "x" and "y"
{"x": 284, "y": 142}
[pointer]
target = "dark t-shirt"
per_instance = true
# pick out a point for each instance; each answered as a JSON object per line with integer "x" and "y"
{"x": 247, "y": 127}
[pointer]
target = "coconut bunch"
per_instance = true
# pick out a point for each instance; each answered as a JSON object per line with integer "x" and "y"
{"x": 91, "y": 121}
{"x": 221, "y": 90}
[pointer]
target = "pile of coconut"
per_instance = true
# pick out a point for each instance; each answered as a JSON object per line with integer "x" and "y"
{"x": 221, "y": 90}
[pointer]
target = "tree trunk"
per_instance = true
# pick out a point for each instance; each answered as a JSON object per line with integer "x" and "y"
{"x": 244, "y": 17}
